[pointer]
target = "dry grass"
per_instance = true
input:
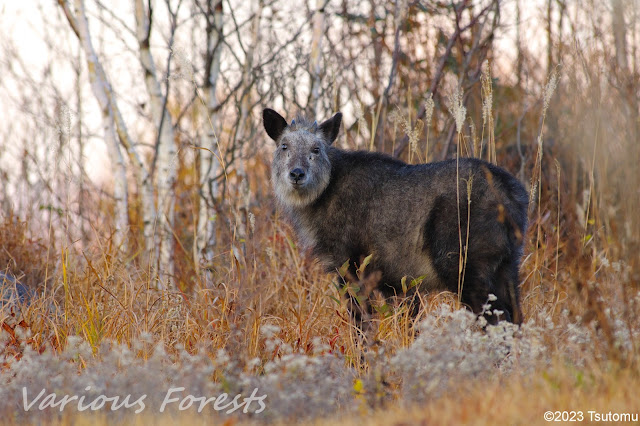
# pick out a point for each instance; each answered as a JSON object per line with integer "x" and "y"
{"x": 283, "y": 325}
{"x": 522, "y": 401}
{"x": 279, "y": 303}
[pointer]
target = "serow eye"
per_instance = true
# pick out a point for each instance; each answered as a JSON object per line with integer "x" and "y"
{"x": 316, "y": 150}
{"x": 284, "y": 146}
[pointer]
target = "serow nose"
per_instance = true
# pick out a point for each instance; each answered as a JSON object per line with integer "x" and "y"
{"x": 296, "y": 175}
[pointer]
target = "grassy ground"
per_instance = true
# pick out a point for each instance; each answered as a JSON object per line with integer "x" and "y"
{"x": 285, "y": 331}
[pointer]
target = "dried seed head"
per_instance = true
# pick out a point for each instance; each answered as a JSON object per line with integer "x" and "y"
{"x": 552, "y": 83}
{"x": 252, "y": 222}
{"x": 412, "y": 132}
{"x": 358, "y": 111}
{"x": 414, "y": 136}
{"x": 487, "y": 92}
{"x": 429, "y": 105}
{"x": 394, "y": 117}
{"x": 185, "y": 67}
{"x": 63, "y": 123}
{"x": 457, "y": 108}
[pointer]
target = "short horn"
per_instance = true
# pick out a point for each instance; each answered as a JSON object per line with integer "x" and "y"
{"x": 314, "y": 127}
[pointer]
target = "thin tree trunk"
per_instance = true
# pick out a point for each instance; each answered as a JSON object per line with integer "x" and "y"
{"x": 118, "y": 169}
{"x": 244, "y": 191}
{"x": 620, "y": 35}
{"x": 626, "y": 84}
{"x": 81, "y": 172}
{"x": 549, "y": 37}
{"x": 316, "y": 55}
{"x": 519, "y": 60}
{"x": 209, "y": 157}
{"x": 379, "y": 119}
{"x": 562, "y": 6}
{"x": 166, "y": 149}
{"x": 102, "y": 91}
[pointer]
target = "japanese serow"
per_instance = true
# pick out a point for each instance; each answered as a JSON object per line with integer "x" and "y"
{"x": 450, "y": 225}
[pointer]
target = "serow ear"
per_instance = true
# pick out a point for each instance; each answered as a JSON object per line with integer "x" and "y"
{"x": 273, "y": 122}
{"x": 331, "y": 128}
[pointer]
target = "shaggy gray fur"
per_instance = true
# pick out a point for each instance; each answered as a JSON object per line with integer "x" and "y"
{"x": 346, "y": 205}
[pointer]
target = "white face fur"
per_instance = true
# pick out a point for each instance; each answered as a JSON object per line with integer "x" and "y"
{"x": 301, "y": 169}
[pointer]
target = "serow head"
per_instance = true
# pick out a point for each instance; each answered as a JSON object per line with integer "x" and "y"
{"x": 301, "y": 168}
